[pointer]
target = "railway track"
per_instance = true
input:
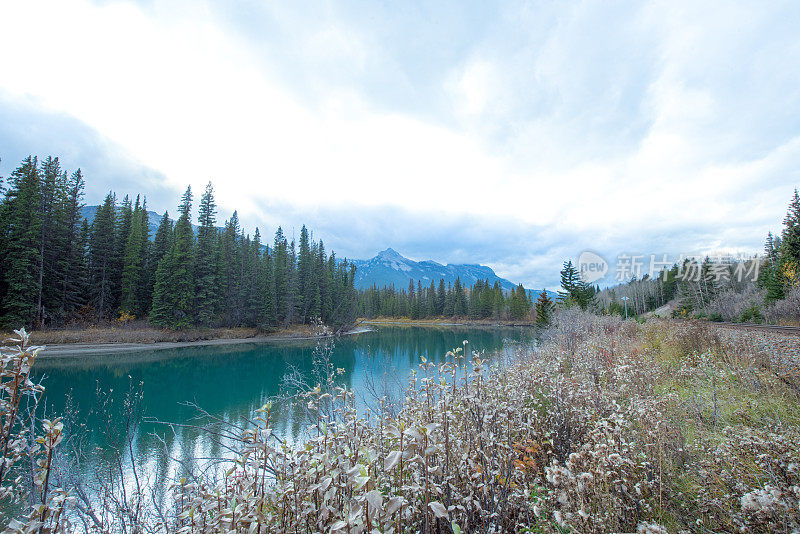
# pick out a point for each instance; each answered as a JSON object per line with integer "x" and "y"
{"x": 791, "y": 330}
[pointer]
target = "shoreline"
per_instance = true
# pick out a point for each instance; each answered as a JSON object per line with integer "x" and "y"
{"x": 81, "y": 348}
{"x": 444, "y": 322}
{"x": 60, "y": 350}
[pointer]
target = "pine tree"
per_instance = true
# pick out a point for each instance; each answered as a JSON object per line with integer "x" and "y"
{"x": 21, "y": 241}
{"x": 325, "y": 283}
{"x": 208, "y": 289}
{"x": 103, "y": 257}
{"x": 124, "y": 217}
{"x": 544, "y": 309}
{"x": 770, "y": 277}
{"x": 162, "y": 242}
{"x": 459, "y": 299}
{"x": 251, "y": 259}
{"x": 304, "y": 271}
{"x": 134, "y": 264}
{"x": 182, "y": 256}
{"x": 788, "y": 268}
{"x": 173, "y": 295}
{"x": 280, "y": 276}
{"x": 48, "y": 249}
{"x": 230, "y": 273}
{"x": 266, "y": 291}
{"x": 313, "y": 291}
{"x": 291, "y": 284}
{"x": 518, "y": 307}
{"x": 72, "y": 274}
{"x": 440, "y": 297}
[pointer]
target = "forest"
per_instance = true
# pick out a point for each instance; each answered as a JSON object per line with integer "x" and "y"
{"x": 482, "y": 301}
{"x": 59, "y": 269}
{"x": 764, "y": 288}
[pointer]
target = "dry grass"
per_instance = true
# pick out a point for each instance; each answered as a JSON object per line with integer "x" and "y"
{"x": 141, "y": 333}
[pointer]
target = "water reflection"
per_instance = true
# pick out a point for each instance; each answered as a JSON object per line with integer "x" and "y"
{"x": 230, "y": 382}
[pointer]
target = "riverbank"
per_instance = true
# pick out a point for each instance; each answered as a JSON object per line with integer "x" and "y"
{"x": 105, "y": 340}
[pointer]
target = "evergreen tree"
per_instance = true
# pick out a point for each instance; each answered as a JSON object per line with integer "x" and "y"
{"x": 72, "y": 274}
{"x": 304, "y": 272}
{"x": 544, "y": 309}
{"x": 791, "y": 230}
{"x": 134, "y": 264}
{"x": 251, "y": 258}
{"x": 48, "y": 249}
{"x": 103, "y": 258}
{"x": 21, "y": 242}
{"x": 280, "y": 276}
{"x": 291, "y": 284}
{"x": 430, "y": 308}
{"x": 206, "y": 269}
{"x": 459, "y": 299}
{"x": 440, "y": 298}
{"x": 173, "y": 295}
{"x": 162, "y": 242}
{"x": 519, "y": 307}
{"x": 574, "y": 290}
{"x": 325, "y": 282}
{"x": 266, "y": 291}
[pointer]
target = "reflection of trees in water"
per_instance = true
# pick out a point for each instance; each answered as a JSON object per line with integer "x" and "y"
{"x": 230, "y": 382}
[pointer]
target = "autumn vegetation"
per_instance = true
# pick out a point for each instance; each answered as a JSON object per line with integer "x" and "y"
{"x": 605, "y": 426}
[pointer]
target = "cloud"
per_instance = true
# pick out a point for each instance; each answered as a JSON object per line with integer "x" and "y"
{"x": 27, "y": 129}
{"x": 515, "y": 136}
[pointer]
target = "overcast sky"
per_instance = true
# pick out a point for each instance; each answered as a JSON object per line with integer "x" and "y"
{"x": 515, "y": 134}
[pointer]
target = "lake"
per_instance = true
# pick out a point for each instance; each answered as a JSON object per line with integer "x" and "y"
{"x": 229, "y": 383}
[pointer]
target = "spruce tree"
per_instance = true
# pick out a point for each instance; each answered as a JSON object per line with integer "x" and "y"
{"x": 440, "y": 298}
{"x": 21, "y": 250}
{"x": 208, "y": 289}
{"x": 280, "y": 276}
{"x": 182, "y": 263}
{"x": 133, "y": 264}
{"x": 173, "y": 295}
{"x": 72, "y": 283}
{"x": 304, "y": 272}
{"x": 544, "y": 309}
{"x": 51, "y": 179}
{"x": 266, "y": 291}
{"x": 231, "y": 271}
{"x": 103, "y": 258}
{"x": 162, "y": 242}
{"x": 459, "y": 299}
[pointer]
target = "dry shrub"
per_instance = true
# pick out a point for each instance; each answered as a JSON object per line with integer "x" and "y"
{"x": 786, "y": 311}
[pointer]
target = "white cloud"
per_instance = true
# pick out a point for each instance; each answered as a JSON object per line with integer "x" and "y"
{"x": 614, "y": 127}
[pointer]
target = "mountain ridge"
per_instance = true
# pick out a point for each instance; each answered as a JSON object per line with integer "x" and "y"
{"x": 389, "y": 267}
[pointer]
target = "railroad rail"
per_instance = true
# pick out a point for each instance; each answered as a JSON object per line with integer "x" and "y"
{"x": 791, "y": 330}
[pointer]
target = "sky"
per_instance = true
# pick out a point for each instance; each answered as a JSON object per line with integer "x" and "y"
{"x": 511, "y": 134}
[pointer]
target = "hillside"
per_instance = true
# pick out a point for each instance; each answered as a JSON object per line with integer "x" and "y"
{"x": 389, "y": 267}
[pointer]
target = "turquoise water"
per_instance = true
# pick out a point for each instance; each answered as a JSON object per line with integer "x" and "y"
{"x": 229, "y": 382}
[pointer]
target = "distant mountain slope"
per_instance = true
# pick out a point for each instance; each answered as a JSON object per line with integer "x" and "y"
{"x": 153, "y": 219}
{"x": 390, "y": 267}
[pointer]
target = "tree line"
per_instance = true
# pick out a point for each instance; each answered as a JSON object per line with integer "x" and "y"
{"x": 481, "y": 301}
{"x": 60, "y": 268}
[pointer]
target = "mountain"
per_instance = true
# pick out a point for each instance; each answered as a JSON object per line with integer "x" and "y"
{"x": 153, "y": 219}
{"x": 390, "y": 267}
